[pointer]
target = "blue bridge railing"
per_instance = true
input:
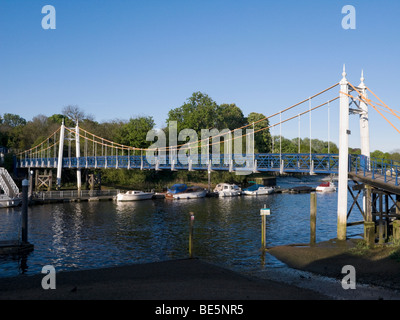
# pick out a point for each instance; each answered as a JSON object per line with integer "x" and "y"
{"x": 388, "y": 170}
{"x": 316, "y": 163}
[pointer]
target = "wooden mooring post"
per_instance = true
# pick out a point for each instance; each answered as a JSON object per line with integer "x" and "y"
{"x": 369, "y": 224}
{"x": 24, "y": 232}
{"x": 191, "y": 235}
{"x": 396, "y": 223}
{"x": 264, "y": 212}
{"x": 313, "y": 217}
{"x": 16, "y": 246}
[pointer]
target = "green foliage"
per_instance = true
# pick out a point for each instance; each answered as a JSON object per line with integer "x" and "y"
{"x": 133, "y": 133}
{"x": 292, "y": 146}
{"x": 362, "y": 248}
{"x": 199, "y": 112}
{"x": 13, "y": 120}
{"x": 262, "y": 139}
{"x": 59, "y": 118}
{"x": 229, "y": 116}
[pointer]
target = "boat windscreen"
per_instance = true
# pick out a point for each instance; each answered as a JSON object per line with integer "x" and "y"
{"x": 254, "y": 187}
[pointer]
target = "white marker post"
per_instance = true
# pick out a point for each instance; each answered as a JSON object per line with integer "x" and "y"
{"x": 264, "y": 212}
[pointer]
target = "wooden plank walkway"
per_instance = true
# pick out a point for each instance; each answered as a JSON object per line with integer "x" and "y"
{"x": 377, "y": 182}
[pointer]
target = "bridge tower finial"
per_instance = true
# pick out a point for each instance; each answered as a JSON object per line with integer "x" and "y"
{"x": 362, "y": 84}
{"x": 344, "y": 74}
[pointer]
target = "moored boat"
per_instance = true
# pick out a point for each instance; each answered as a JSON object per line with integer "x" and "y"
{"x": 7, "y": 202}
{"x": 326, "y": 187}
{"x": 227, "y": 190}
{"x": 257, "y": 190}
{"x": 134, "y": 195}
{"x": 175, "y": 189}
{"x": 192, "y": 192}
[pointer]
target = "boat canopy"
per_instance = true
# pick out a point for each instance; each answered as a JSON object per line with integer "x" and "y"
{"x": 254, "y": 187}
{"x": 176, "y": 188}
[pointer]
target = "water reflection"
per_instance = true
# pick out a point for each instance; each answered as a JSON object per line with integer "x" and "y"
{"x": 226, "y": 230}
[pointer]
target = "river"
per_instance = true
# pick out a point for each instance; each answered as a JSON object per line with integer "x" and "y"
{"x": 227, "y": 231}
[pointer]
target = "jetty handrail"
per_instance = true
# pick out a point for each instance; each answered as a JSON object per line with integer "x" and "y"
{"x": 385, "y": 168}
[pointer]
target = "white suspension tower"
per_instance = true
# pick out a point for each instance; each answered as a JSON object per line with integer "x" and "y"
{"x": 343, "y": 158}
{"x": 364, "y": 123}
{"x": 78, "y": 155}
{"x": 344, "y": 146}
{"x": 60, "y": 154}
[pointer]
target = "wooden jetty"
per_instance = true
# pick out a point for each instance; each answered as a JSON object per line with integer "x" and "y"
{"x": 73, "y": 196}
{"x": 14, "y": 247}
{"x": 301, "y": 189}
{"x": 294, "y": 190}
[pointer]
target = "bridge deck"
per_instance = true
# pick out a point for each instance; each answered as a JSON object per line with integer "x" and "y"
{"x": 301, "y": 163}
{"x": 379, "y": 173}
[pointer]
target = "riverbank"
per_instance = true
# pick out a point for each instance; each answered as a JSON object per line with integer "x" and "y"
{"x": 187, "y": 279}
{"x": 377, "y": 266}
{"x": 194, "y": 279}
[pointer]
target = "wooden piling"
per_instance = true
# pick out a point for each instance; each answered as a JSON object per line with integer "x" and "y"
{"x": 191, "y": 235}
{"x": 396, "y": 223}
{"x": 24, "y": 232}
{"x": 263, "y": 232}
{"x": 264, "y": 212}
{"x": 313, "y": 217}
{"x": 369, "y": 224}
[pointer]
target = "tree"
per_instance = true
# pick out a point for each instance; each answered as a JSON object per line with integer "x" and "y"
{"x": 262, "y": 138}
{"x": 199, "y": 112}
{"x": 59, "y": 118}
{"x": 11, "y": 129}
{"x": 133, "y": 133}
{"x": 229, "y": 116}
{"x": 74, "y": 113}
{"x": 13, "y": 120}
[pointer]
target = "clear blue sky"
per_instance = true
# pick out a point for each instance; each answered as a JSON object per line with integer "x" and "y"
{"x": 120, "y": 58}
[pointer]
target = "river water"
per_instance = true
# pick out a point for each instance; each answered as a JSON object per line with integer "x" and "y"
{"x": 227, "y": 231}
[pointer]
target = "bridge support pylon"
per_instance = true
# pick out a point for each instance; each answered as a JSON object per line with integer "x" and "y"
{"x": 364, "y": 122}
{"x": 60, "y": 154}
{"x": 78, "y": 155}
{"x": 343, "y": 158}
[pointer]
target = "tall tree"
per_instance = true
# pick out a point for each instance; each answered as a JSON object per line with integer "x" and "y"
{"x": 199, "y": 112}
{"x": 262, "y": 138}
{"x": 76, "y": 114}
{"x": 229, "y": 116}
{"x": 133, "y": 133}
{"x": 13, "y": 120}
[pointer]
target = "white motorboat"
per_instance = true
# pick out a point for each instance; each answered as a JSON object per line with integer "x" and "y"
{"x": 7, "y": 202}
{"x": 257, "y": 190}
{"x": 134, "y": 195}
{"x": 326, "y": 187}
{"x": 188, "y": 193}
{"x": 227, "y": 190}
